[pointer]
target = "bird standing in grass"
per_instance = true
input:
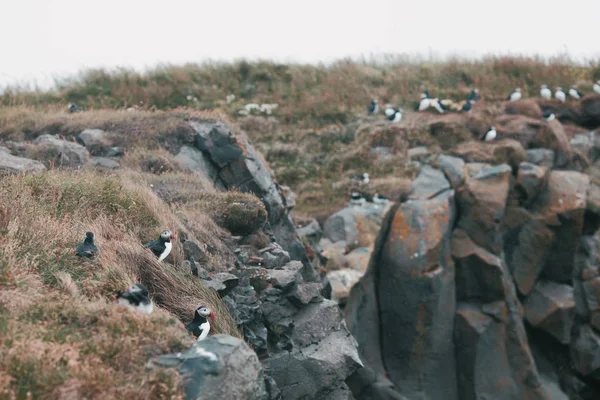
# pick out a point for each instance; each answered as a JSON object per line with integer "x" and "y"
{"x": 473, "y": 96}
{"x": 200, "y": 325}
{"x": 596, "y": 87}
{"x": 545, "y": 92}
{"x": 424, "y": 102}
{"x": 88, "y": 248}
{"x": 396, "y": 116}
{"x": 467, "y": 106}
{"x": 549, "y": 116}
{"x": 389, "y": 110}
{"x": 380, "y": 199}
{"x": 136, "y": 298}
{"x": 357, "y": 199}
{"x": 162, "y": 246}
{"x": 574, "y": 93}
{"x": 435, "y": 103}
{"x": 373, "y": 107}
{"x": 73, "y": 108}
{"x": 489, "y": 135}
{"x": 515, "y": 95}
{"x": 560, "y": 94}
{"x": 362, "y": 178}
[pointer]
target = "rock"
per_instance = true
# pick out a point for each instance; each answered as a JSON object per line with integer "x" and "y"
{"x": 219, "y": 367}
{"x": 305, "y": 293}
{"x": 341, "y": 282}
{"x": 553, "y": 136}
{"x": 193, "y": 252}
{"x": 418, "y": 153}
{"x": 530, "y": 181}
{"x": 355, "y": 225}
{"x": 482, "y": 205}
{"x": 312, "y": 232}
{"x": 366, "y": 384}
{"x": 453, "y": 169}
{"x": 4, "y": 150}
{"x": 541, "y": 157}
{"x": 591, "y": 291}
{"x": 448, "y": 130}
{"x": 429, "y": 183}
{"x": 10, "y": 164}
{"x": 358, "y": 259}
{"x": 551, "y": 307}
{"x": 411, "y": 266}
{"x": 193, "y": 160}
{"x": 289, "y": 196}
{"x": 288, "y": 276}
{"x": 505, "y": 151}
{"x": 62, "y": 152}
{"x": 590, "y": 111}
{"x": 95, "y": 140}
{"x": 525, "y": 107}
{"x": 274, "y": 256}
{"x": 114, "y": 152}
{"x": 381, "y": 153}
{"x": 103, "y": 163}
{"x": 564, "y": 112}
{"x": 222, "y": 282}
{"x": 244, "y": 306}
{"x": 585, "y": 349}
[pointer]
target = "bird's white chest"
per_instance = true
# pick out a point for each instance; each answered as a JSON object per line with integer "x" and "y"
{"x": 168, "y": 246}
{"x": 560, "y": 96}
{"x": 573, "y": 93}
{"x": 389, "y": 112}
{"x": 424, "y": 104}
{"x": 596, "y": 88}
{"x": 145, "y": 308}
{"x": 124, "y": 302}
{"x": 397, "y": 117}
{"x": 491, "y": 135}
{"x": 546, "y": 93}
{"x": 515, "y": 96}
{"x": 204, "y": 329}
{"x": 375, "y": 109}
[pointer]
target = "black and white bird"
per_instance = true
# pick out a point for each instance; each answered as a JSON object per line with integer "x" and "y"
{"x": 200, "y": 326}
{"x": 389, "y": 110}
{"x": 373, "y": 107}
{"x": 357, "y": 199}
{"x": 574, "y": 93}
{"x": 560, "y": 94}
{"x": 435, "y": 103}
{"x": 545, "y": 92}
{"x": 73, "y": 108}
{"x": 162, "y": 246}
{"x": 362, "y": 178}
{"x": 489, "y": 135}
{"x": 596, "y": 87}
{"x": 425, "y": 101}
{"x": 549, "y": 116}
{"x": 88, "y": 248}
{"x": 380, "y": 199}
{"x": 515, "y": 95}
{"x": 396, "y": 116}
{"x": 467, "y": 106}
{"x": 136, "y": 298}
{"x": 473, "y": 96}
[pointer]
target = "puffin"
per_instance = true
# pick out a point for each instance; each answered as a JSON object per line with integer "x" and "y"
{"x": 560, "y": 94}
{"x": 396, "y": 116}
{"x": 136, "y": 298}
{"x": 574, "y": 93}
{"x": 73, "y": 108}
{"x": 596, "y": 87}
{"x": 362, "y": 178}
{"x": 425, "y": 101}
{"x": 389, "y": 110}
{"x": 161, "y": 247}
{"x": 88, "y": 248}
{"x": 380, "y": 199}
{"x": 357, "y": 199}
{"x": 467, "y": 106}
{"x": 435, "y": 103}
{"x": 200, "y": 325}
{"x": 489, "y": 135}
{"x": 473, "y": 96}
{"x": 549, "y": 116}
{"x": 515, "y": 95}
{"x": 545, "y": 92}
{"x": 373, "y": 107}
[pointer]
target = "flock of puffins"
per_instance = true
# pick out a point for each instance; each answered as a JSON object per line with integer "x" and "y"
{"x": 136, "y": 296}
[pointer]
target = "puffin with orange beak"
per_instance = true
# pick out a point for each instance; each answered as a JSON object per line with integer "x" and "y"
{"x": 162, "y": 246}
{"x": 200, "y": 326}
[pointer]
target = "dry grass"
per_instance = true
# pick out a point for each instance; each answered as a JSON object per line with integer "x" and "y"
{"x": 61, "y": 335}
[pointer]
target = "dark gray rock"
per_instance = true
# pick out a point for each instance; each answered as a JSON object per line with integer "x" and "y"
{"x": 114, "y": 151}
{"x": 218, "y": 141}
{"x": 222, "y": 282}
{"x": 10, "y": 164}
{"x": 193, "y": 252}
{"x": 530, "y": 181}
{"x": 274, "y": 256}
{"x": 352, "y": 223}
{"x": 193, "y": 160}
{"x": 244, "y": 306}
{"x": 95, "y": 140}
{"x": 305, "y": 293}
{"x": 219, "y": 367}
{"x": 541, "y": 157}
{"x": 366, "y": 384}
{"x": 64, "y": 153}
{"x": 585, "y": 352}
{"x": 452, "y": 167}
{"x": 428, "y": 184}
{"x": 311, "y": 231}
{"x": 551, "y": 307}
{"x": 286, "y": 277}
{"x": 103, "y": 163}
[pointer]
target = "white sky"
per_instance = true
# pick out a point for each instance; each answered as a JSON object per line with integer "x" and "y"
{"x": 40, "y": 39}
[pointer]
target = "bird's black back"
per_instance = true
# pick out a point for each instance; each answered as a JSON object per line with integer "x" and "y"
{"x": 194, "y": 326}
{"x": 134, "y": 297}
{"x": 87, "y": 248}
{"x": 157, "y": 246}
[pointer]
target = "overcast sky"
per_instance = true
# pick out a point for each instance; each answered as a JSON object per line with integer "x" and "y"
{"x": 40, "y": 39}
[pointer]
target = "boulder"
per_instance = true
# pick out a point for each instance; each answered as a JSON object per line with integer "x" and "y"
{"x": 286, "y": 277}
{"x": 591, "y": 291}
{"x": 448, "y": 130}
{"x": 452, "y": 167}
{"x": 530, "y": 181}
{"x": 506, "y": 151}
{"x": 526, "y": 107}
{"x": 551, "y": 307}
{"x": 586, "y": 280}
{"x": 219, "y": 367}
{"x": 4, "y": 150}
{"x": 193, "y": 160}
{"x": 565, "y": 112}
{"x": 95, "y": 140}
{"x": 222, "y": 283}
{"x": 358, "y": 259}
{"x": 366, "y": 384}
{"x": 356, "y": 225}
{"x": 429, "y": 183}
{"x": 311, "y": 232}
{"x": 103, "y": 163}
{"x": 585, "y": 351}
{"x": 10, "y": 164}
{"x": 62, "y": 152}
{"x": 193, "y": 252}
{"x": 341, "y": 282}
{"x": 482, "y": 205}
{"x": 541, "y": 157}
{"x": 411, "y": 266}
{"x": 590, "y": 111}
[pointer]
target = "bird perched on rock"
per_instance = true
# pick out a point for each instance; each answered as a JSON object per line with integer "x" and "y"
{"x": 380, "y": 199}
{"x": 200, "y": 325}
{"x": 596, "y": 87}
{"x": 467, "y": 106}
{"x": 489, "y": 135}
{"x": 435, "y": 103}
{"x": 161, "y": 247}
{"x": 574, "y": 93}
{"x": 396, "y": 116}
{"x": 446, "y": 104}
{"x": 515, "y": 95}
{"x": 549, "y": 116}
{"x": 136, "y": 298}
{"x": 473, "y": 96}
{"x": 73, "y": 108}
{"x": 88, "y": 248}
{"x": 362, "y": 178}
{"x": 545, "y": 92}
{"x": 560, "y": 94}
{"x": 357, "y": 199}
{"x": 373, "y": 107}
{"x": 424, "y": 102}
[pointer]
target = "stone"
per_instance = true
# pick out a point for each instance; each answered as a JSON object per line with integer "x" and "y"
{"x": 219, "y": 367}
{"x": 103, "y": 163}
{"x": 289, "y": 196}
{"x": 222, "y": 282}
{"x": 312, "y": 232}
{"x": 530, "y": 181}
{"x": 288, "y": 276}
{"x": 366, "y": 384}
{"x": 95, "y": 140}
{"x": 193, "y": 160}
{"x": 525, "y": 107}
{"x": 62, "y": 152}
{"x": 244, "y": 306}
{"x": 114, "y": 151}
{"x": 453, "y": 169}
{"x": 274, "y": 256}
{"x": 411, "y": 266}
{"x": 482, "y": 205}
{"x": 381, "y": 153}
{"x": 193, "y": 252}
{"x": 590, "y": 111}
{"x": 342, "y": 281}
{"x": 358, "y": 259}
{"x": 429, "y": 183}
{"x": 585, "y": 352}
{"x": 591, "y": 291}
{"x": 541, "y": 157}
{"x": 418, "y": 153}
{"x": 4, "y": 150}
{"x": 10, "y": 164}
{"x": 355, "y": 225}
{"x": 551, "y": 307}
{"x": 505, "y": 151}
{"x": 305, "y": 293}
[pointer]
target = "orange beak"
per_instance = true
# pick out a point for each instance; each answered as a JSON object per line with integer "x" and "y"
{"x": 172, "y": 236}
{"x": 212, "y": 315}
